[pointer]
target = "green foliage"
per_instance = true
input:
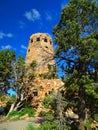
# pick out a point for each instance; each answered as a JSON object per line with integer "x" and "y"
{"x": 48, "y": 101}
{"x": 29, "y": 111}
{"x": 7, "y": 57}
{"x": 50, "y": 74}
{"x": 33, "y": 64}
{"x": 13, "y": 114}
{"x": 43, "y": 113}
{"x": 18, "y": 114}
{"x": 76, "y": 39}
{"x": 17, "y": 76}
{"x": 8, "y": 105}
{"x": 30, "y": 127}
{"x": 49, "y": 117}
{"x": 4, "y": 128}
{"x": 96, "y": 117}
{"x": 47, "y": 75}
{"x": 31, "y": 76}
{"x": 88, "y": 125}
{"x": 49, "y": 126}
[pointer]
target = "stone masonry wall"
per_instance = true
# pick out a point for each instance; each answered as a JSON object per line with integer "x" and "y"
{"x": 40, "y": 49}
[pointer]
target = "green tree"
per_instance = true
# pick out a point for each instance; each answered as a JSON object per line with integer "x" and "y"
{"x": 16, "y": 75}
{"x": 76, "y": 39}
{"x": 22, "y": 83}
{"x": 7, "y": 57}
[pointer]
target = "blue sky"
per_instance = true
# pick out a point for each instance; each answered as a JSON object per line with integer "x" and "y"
{"x": 19, "y": 19}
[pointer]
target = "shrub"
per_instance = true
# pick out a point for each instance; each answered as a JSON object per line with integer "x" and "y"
{"x": 30, "y": 127}
{"x": 48, "y": 126}
{"x": 27, "y": 110}
{"x": 48, "y": 101}
{"x": 96, "y": 117}
{"x": 43, "y": 113}
{"x": 12, "y": 114}
{"x": 88, "y": 125}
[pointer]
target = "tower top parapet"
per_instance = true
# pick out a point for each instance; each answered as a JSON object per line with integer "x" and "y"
{"x": 40, "y": 37}
{"x": 40, "y": 49}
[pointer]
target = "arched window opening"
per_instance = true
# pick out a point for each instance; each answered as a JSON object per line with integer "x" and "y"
{"x": 46, "y": 46}
{"x": 46, "y": 94}
{"x": 45, "y": 40}
{"x": 50, "y": 42}
{"x": 35, "y": 93}
{"x": 31, "y": 40}
{"x": 38, "y": 39}
{"x": 28, "y": 50}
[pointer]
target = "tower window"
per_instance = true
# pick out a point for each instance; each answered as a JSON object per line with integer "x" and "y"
{"x": 35, "y": 93}
{"x": 38, "y": 39}
{"x": 31, "y": 40}
{"x": 45, "y": 40}
{"x": 50, "y": 42}
{"x": 28, "y": 50}
{"x": 46, "y": 47}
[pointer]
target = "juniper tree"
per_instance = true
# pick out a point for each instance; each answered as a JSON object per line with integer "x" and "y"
{"x": 6, "y": 58}
{"x": 76, "y": 40}
{"x": 16, "y": 75}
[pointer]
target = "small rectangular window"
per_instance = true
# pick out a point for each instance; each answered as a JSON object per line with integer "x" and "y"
{"x": 38, "y": 39}
{"x": 35, "y": 93}
{"x": 31, "y": 40}
{"x": 28, "y": 50}
{"x": 45, "y": 40}
{"x": 46, "y": 47}
{"x": 50, "y": 42}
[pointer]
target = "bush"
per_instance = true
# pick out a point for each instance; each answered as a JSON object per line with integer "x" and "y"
{"x": 43, "y": 113}
{"x": 96, "y": 117}
{"x": 12, "y": 114}
{"x": 49, "y": 117}
{"x": 30, "y": 127}
{"x": 88, "y": 125}
{"x": 49, "y": 126}
{"x": 27, "y": 110}
{"x": 48, "y": 101}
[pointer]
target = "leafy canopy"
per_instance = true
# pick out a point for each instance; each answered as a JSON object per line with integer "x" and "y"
{"x": 76, "y": 40}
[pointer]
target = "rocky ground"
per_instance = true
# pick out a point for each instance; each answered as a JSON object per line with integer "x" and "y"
{"x": 20, "y": 124}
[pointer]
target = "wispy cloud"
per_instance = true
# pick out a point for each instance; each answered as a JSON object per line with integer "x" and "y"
{"x": 32, "y": 15}
{"x": 9, "y": 35}
{"x": 23, "y": 47}
{"x": 6, "y": 47}
{"x": 21, "y": 24}
{"x": 3, "y": 35}
{"x": 48, "y": 16}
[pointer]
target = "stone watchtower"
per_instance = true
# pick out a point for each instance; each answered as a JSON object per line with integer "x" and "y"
{"x": 40, "y": 49}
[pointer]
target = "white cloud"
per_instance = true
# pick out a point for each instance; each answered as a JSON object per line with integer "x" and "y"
{"x": 6, "y": 47}
{"x": 21, "y": 24}
{"x": 9, "y": 35}
{"x": 23, "y": 47}
{"x": 48, "y": 16}
{"x": 32, "y": 15}
{"x": 3, "y": 35}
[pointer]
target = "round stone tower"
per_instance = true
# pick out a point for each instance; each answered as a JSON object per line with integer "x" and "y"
{"x": 40, "y": 49}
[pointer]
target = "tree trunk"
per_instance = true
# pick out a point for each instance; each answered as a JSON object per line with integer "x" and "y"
{"x": 17, "y": 104}
{"x": 11, "y": 108}
{"x": 60, "y": 111}
{"x": 82, "y": 109}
